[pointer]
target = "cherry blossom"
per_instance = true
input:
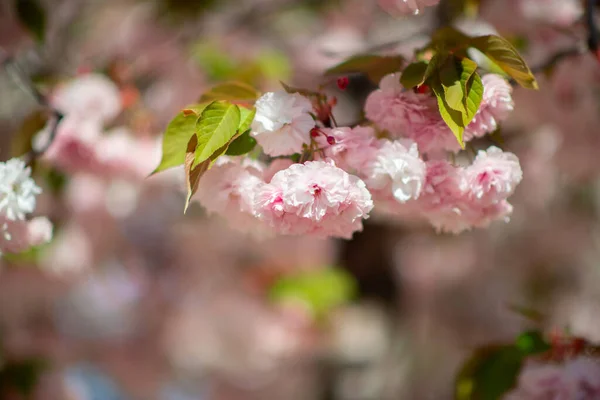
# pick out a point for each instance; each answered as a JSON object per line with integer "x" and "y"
{"x": 577, "y": 378}
{"x": 314, "y": 198}
{"x": 496, "y": 105}
{"x": 282, "y": 123}
{"x": 398, "y": 167}
{"x": 18, "y": 190}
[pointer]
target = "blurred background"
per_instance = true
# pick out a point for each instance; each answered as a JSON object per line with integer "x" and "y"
{"x": 134, "y": 300}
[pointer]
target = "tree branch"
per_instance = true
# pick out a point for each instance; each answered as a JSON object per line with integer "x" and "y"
{"x": 26, "y": 85}
{"x": 593, "y": 39}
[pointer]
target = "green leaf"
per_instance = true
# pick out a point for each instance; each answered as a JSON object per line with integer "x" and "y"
{"x": 501, "y": 52}
{"x": 33, "y": 17}
{"x": 235, "y": 92}
{"x": 414, "y": 74}
{"x": 193, "y": 174}
{"x": 454, "y": 119}
{"x": 241, "y": 145}
{"x": 454, "y": 91}
{"x": 532, "y": 342}
{"x": 473, "y": 98}
{"x": 246, "y": 118}
{"x": 449, "y": 38}
{"x": 319, "y": 290}
{"x": 489, "y": 374}
{"x": 215, "y": 128}
{"x": 176, "y": 137}
{"x": 375, "y": 67}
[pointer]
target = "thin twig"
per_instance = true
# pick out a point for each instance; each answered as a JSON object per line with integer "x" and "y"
{"x": 26, "y": 85}
{"x": 593, "y": 39}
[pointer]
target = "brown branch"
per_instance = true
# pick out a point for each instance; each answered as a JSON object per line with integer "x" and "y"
{"x": 26, "y": 85}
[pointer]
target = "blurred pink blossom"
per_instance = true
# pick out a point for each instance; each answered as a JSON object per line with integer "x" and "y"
{"x": 578, "y": 378}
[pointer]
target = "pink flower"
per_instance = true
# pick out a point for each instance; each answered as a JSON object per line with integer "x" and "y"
{"x": 90, "y": 96}
{"x": 401, "y": 7}
{"x": 73, "y": 148}
{"x": 450, "y": 201}
{"x": 314, "y": 198}
{"x": 493, "y": 176}
{"x": 282, "y": 123}
{"x": 495, "y": 106}
{"x": 578, "y": 378}
{"x": 275, "y": 166}
{"x": 21, "y": 235}
{"x": 409, "y": 114}
{"x": 228, "y": 189}
{"x": 397, "y": 167}
{"x": 559, "y": 12}
{"x": 354, "y": 148}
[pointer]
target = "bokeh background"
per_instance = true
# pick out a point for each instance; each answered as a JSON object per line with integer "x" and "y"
{"x": 134, "y": 300}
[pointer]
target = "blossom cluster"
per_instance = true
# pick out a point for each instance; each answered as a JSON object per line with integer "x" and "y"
{"x": 18, "y": 192}
{"x": 398, "y": 164}
{"x": 577, "y": 378}
{"x": 81, "y": 143}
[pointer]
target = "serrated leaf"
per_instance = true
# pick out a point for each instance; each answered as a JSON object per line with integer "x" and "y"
{"x": 234, "y": 92}
{"x": 215, "y": 128}
{"x": 177, "y": 135}
{"x": 473, "y": 98}
{"x": 375, "y": 67}
{"x": 413, "y": 75}
{"x": 33, "y": 17}
{"x": 454, "y": 119}
{"x": 455, "y": 76}
{"x": 502, "y": 52}
{"x": 454, "y": 91}
{"x": 241, "y": 145}
{"x": 434, "y": 64}
{"x": 246, "y": 118}
{"x": 193, "y": 174}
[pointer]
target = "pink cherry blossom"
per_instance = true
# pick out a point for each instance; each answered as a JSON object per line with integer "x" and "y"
{"x": 275, "y": 166}
{"x": 354, "y": 148}
{"x": 401, "y": 7}
{"x": 577, "y": 378}
{"x": 493, "y": 176}
{"x": 496, "y": 105}
{"x": 409, "y": 114}
{"x": 90, "y": 96}
{"x": 314, "y": 198}
{"x": 398, "y": 168}
{"x": 20, "y": 235}
{"x": 282, "y": 123}
{"x": 228, "y": 189}
{"x": 451, "y": 200}
{"x": 559, "y": 12}
{"x": 73, "y": 148}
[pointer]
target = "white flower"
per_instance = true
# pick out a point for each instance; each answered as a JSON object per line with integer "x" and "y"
{"x": 282, "y": 123}
{"x": 17, "y": 189}
{"x": 398, "y": 165}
